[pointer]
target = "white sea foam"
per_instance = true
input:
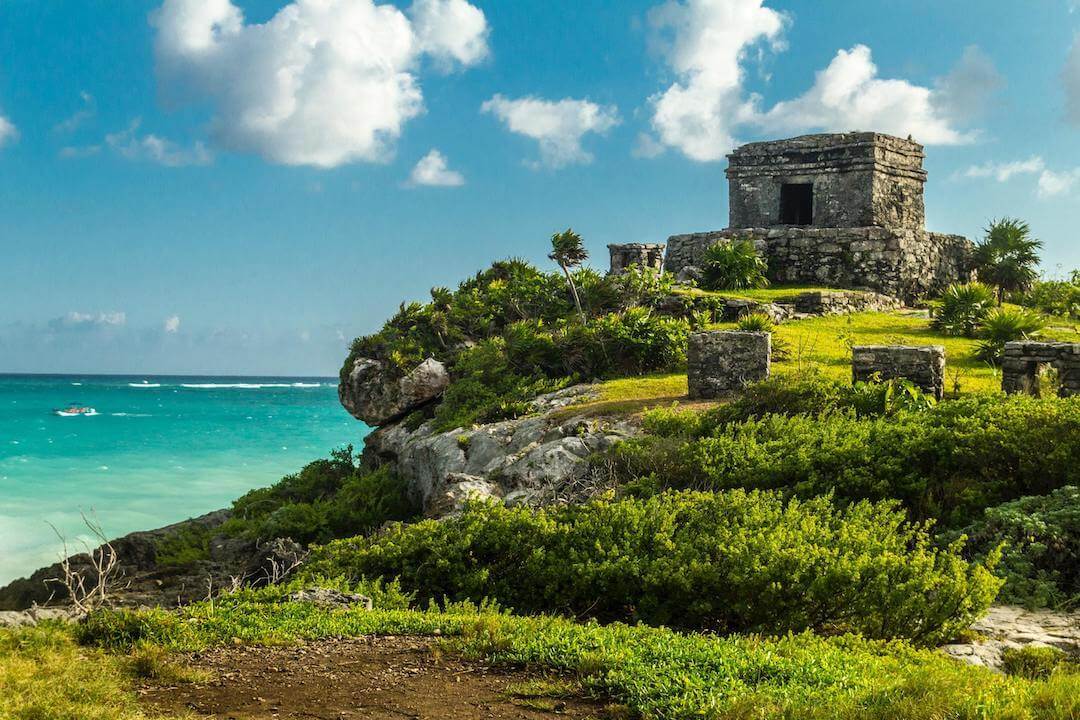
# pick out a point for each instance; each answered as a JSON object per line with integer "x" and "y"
{"x": 145, "y": 384}
{"x": 124, "y": 414}
{"x": 234, "y": 386}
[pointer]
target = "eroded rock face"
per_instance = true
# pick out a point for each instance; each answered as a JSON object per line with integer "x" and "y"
{"x": 531, "y": 460}
{"x": 372, "y": 394}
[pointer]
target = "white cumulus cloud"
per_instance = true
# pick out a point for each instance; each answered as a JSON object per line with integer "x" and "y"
{"x": 433, "y": 170}
{"x": 133, "y": 146}
{"x": 557, "y": 125}
{"x": 1049, "y": 183}
{"x": 323, "y": 82}
{"x": 708, "y": 45}
{"x": 172, "y": 324}
{"x": 1071, "y": 77}
{"x": 848, "y": 95}
{"x": 1053, "y": 183}
{"x": 1002, "y": 172}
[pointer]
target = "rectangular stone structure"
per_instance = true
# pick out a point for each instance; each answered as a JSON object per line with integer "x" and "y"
{"x": 857, "y": 179}
{"x": 923, "y": 365}
{"x": 843, "y": 210}
{"x": 722, "y": 362}
{"x": 1022, "y": 361}
{"x": 646, "y": 256}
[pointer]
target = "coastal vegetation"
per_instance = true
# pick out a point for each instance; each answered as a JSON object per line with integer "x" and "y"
{"x": 795, "y": 551}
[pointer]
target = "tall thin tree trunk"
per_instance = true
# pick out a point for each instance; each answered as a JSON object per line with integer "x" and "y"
{"x": 573, "y": 291}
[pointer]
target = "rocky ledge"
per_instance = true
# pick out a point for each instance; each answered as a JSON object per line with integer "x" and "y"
{"x": 1007, "y": 626}
{"x": 532, "y": 460}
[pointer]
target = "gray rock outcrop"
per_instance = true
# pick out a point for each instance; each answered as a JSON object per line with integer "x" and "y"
{"x": 1007, "y": 626}
{"x": 532, "y": 460}
{"x": 374, "y": 394}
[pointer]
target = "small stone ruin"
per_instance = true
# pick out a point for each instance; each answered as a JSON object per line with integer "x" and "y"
{"x": 720, "y": 362}
{"x": 643, "y": 255}
{"x": 1023, "y": 362}
{"x": 923, "y": 365}
{"x": 841, "y": 210}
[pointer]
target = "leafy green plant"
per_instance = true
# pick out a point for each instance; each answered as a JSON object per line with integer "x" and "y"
{"x": 726, "y": 561}
{"x": 962, "y": 309}
{"x": 1008, "y": 256}
{"x": 755, "y": 322}
{"x": 1003, "y": 325}
{"x": 733, "y": 265}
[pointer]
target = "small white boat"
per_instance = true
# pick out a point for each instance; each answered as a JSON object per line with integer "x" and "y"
{"x": 75, "y": 411}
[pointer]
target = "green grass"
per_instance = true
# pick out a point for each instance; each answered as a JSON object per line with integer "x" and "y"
{"x": 656, "y": 672}
{"x": 45, "y": 675}
{"x": 825, "y": 342}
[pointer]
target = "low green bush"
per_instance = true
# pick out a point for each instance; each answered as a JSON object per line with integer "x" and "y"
{"x": 727, "y": 562}
{"x": 1003, "y": 325}
{"x": 1054, "y": 297}
{"x": 327, "y": 499}
{"x": 961, "y": 309}
{"x": 947, "y": 462}
{"x": 1033, "y": 662}
{"x": 1041, "y": 558}
{"x": 733, "y": 265}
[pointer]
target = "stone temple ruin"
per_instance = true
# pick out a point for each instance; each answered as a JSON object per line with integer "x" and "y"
{"x": 840, "y": 210}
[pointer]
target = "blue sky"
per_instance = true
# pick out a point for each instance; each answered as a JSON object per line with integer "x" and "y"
{"x": 242, "y": 187}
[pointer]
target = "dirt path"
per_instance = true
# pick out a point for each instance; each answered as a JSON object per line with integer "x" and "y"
{"x": 391, "y": 678}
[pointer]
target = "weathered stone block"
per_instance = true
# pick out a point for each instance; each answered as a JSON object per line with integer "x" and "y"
{"x": 722, "y": 362}
{"x": 1023, "y": 362}
{"x": 922, "y": 365}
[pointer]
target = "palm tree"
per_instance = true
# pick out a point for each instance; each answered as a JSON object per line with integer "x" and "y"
{"x": 568, "y": 250}
{"x": 1008, "y": 256}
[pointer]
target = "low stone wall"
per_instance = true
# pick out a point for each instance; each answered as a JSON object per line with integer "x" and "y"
{"x": 837, "y": 302}
{"x": 723, "y": 362}
{"x": 922, "y": 365}
{"x": 1022, "y": 361}
{"x": 907, "y": 264}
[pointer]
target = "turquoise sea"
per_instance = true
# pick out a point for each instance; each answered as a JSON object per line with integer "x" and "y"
{"x": 159, "y": 450}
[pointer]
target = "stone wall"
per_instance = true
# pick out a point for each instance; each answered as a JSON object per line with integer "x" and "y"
{"x": 922, "y": 365}
{"x": 1023, "y": 360}
{"x": 723, "y": 362}
{"x": 642, "y": 255}
{"x": 904, "y": 264}
{"x": 859, "y": 179}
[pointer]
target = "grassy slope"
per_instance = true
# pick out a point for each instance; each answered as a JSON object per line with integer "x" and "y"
{"x": 825, "y": 343}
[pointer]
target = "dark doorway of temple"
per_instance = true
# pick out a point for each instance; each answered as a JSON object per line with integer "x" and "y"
{"x": 796, "y": 204}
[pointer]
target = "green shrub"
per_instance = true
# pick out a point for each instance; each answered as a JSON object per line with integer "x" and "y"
{"x": 755, "y": 322}
{"x": 1054, "y": 297}
{"x": 1002, "y": 325}
{"x": 733, "y": 265}
{"x": 947, "y": 462}
{"x": 728, "y": 562}
{"x": 327, "y": 499}
{"x": 184, "y": 547}
{"x": 1033, "y": 662}
{"x": 1041, "y": 558}
{"x": 962, "y": 309}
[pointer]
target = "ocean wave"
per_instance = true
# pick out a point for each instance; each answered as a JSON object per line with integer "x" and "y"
{"x": 145, "y": 384}
{"x": 124, "y": 414}
{"x": 246, "y": 386}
